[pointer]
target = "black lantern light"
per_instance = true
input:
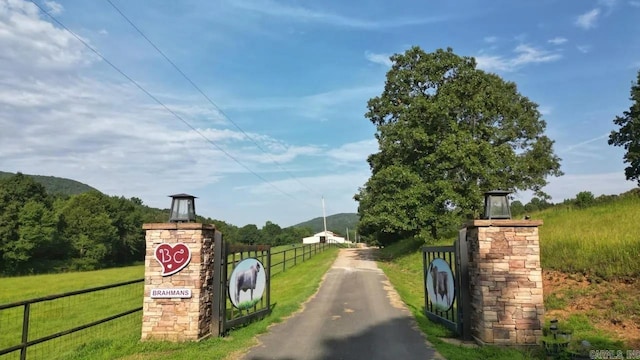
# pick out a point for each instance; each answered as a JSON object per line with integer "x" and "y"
{"x": 496, "y": 205}
{"x": 183, "y": 208}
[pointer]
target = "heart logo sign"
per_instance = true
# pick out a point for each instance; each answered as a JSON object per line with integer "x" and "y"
{"x": 172, "y": 258}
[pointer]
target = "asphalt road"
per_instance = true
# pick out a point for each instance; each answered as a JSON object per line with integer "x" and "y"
{"x": 356, "y": 314}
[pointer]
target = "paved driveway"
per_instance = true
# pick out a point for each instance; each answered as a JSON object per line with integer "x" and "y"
{"x": 356, "y": 314}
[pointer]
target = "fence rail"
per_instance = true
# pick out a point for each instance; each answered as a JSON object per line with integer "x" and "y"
{"x": 54, "y": 310}
{"x": 27, "y": 324}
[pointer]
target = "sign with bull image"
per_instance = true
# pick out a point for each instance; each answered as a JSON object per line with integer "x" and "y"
{"x": 247, "y": 284}
{"x": 440, "y": 284}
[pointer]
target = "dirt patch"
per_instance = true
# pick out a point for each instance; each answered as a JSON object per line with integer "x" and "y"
{"x": 611, "y": 306}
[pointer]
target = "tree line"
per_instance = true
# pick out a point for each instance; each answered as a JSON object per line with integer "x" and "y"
{"x": 41, "y": 232}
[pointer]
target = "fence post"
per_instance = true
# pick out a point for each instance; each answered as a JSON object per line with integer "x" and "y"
{"x": 25, "y": 331}
{"x": 284, "y": 261}
{"x": 295, "y": 255}
{"x": 462, "y": 253}
{"x": 219, "y": 264}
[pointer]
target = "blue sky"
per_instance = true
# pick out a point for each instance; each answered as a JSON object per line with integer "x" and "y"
{"x": 295, "y": 76}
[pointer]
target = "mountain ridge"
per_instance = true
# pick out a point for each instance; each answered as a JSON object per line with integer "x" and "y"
{"x": 56, "y": 185}
{"x": 338, "y": 223}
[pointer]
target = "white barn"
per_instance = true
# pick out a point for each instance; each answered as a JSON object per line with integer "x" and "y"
{"x": 324, "y": 237}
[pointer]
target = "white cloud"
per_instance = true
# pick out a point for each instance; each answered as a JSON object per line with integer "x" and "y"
{"x": 585, "y": 142}
{"x": 103, "y": 32}
{"x": 525, "y": 55}
{"x": 557, "y": 40}
{"x": 53, "y": 7}
{"x": 58, "y": 121}
{"x": 588, "y": 19}
{"x": 354, "y": 152}
{"x": 634, "y": 3}
{"x": 567, "y": 186}
{"x": 545, "y": 110}
{"x": 382, "y": 59}
{"x": 608, "y": 4}
{"x": 28, "y": 43}
{"x": 491, "y": 39}
{"x": 302, "y": 14}
{"x": 315, "y": 106}
{"x": 584, "y": 48}
{"x": 338, "y": 189}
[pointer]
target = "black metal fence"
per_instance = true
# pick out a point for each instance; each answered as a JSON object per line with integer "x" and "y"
{"x": 54, "y": 326}
{"x": 50, "y": 326}
{"x": 285, "y": 259}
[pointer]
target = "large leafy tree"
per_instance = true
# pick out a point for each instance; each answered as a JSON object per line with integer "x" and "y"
{"x": 628, "y": 135}
{"x": 447, "y": 132}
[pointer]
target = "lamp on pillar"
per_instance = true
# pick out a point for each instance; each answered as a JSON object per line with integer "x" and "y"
{"x": 496, "y": 205}
{"x": 183, "y": 208}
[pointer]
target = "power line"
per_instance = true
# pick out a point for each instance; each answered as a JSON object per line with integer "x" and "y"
{"x": 205, "y": 96}
{"x": 161, "y": 103}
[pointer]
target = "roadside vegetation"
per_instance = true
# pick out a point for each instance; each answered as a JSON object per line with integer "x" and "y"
{"x": 402, "y": 263}
{"x": 588, "y": 247}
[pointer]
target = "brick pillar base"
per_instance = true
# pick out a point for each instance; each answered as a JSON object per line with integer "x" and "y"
{"x": 175, "y": 318}
{"x": 505, "y": 275}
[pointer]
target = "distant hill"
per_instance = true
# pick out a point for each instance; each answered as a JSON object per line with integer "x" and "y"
{"x": 337, "y": 223}
{"x": 55, "y": 185}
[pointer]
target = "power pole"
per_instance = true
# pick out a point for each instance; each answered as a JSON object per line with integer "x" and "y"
{"x": 324, "y": 217}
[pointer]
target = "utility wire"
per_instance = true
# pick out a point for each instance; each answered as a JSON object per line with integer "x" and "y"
{"x": 161, "y": 103}
{"x": 207, "y": 97}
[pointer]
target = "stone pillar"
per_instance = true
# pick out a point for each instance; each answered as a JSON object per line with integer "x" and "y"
{"x": 505, "y": 275}
{"x": 177, "y": 307}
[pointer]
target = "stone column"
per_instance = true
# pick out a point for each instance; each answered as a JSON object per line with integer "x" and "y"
{"x": 505, "y": 275}
{"x": 177, "y": 307}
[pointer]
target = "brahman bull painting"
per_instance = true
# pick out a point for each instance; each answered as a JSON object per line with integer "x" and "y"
{"x": 247, "y": 283}
{"x": 440, "y": 284}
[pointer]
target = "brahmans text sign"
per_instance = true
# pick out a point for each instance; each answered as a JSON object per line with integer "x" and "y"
{"x": 170, "y": 293}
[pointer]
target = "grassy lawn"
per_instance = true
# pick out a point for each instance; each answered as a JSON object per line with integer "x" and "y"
{"x": 120, "y": 338}
{"x": 52, "y": 316}
{"x": 29, "y": 287}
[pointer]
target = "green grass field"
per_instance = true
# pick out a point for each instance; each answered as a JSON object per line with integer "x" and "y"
{"x": 119, "y": 338}
{"x": 601, "y": 240}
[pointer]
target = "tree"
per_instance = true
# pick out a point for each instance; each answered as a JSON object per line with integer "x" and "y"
{"x": 270, "y": 233}
{"x": 28, "y": 226}
{"x": 447, "y": 132}
{"x": 249, "y": 234}
{"x": 90, "y": 231}
{"x": 126, "y": 216}
{"x": 517, "y": 208}
{"x": 628, "y": 135}
{"x": 585, "y": 199}
{"x": 537, "y": 204}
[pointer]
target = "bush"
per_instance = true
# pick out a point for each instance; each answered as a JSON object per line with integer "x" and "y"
{"x": 585, "y": 199}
